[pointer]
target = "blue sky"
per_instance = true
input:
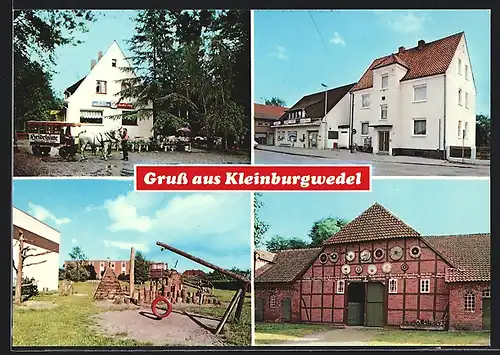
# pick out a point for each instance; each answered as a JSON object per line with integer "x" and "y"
{"x": 73, "y": 62}
{"x": 106, "y": 217}
{"x": 291, "y": 60}
{"x": 432, "y": 207}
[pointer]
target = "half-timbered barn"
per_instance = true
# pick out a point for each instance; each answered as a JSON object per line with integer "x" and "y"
{"x": 378, "y": 271}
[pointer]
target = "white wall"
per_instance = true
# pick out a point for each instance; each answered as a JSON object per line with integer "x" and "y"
{"x": 46, "y": 274}
{"x": 338, "y": 115}
{"x": 454, "y": 111}
{"x": 85, "y": 94}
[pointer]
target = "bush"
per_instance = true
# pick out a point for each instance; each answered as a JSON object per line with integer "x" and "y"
{"x": 29, "y": 289}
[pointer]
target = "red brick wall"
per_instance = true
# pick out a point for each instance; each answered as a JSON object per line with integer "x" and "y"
{"x": 460, "y": 319}
{"x": 273, "y": 314}
{"x": 117, "y": 266}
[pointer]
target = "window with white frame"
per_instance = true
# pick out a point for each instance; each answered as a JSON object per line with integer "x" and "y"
{"x": 459, "y": 131}
{"x": 467, "y": 72}
{"x": 466, "y": 99}
{"x": 385, "y": 81}
{"x": 365, "y": 100}
{"x": 383, "y": 112}
{"x": 486, "y": 293}
{"x": 100, "y": 87}
{"x": 466, "y": 129}
{"x": 272, "y": 301}
{"x": 425, "y": 285}
{"x": 340, "y": 286}
{"x": 419, "y": 93}
{"x": 470, "y": 301}
{"x": 459, "y": 66}
{"x": 460, "y": 97}
{"x": 419, "y": 127}
{"x": 393, "y": 285}
{"x": 364, "y": 128}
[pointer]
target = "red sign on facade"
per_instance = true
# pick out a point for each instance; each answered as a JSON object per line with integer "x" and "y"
{"x": 124, "y": 105}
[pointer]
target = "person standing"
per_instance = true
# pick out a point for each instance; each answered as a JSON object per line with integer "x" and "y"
{"x": 125, "y": 139}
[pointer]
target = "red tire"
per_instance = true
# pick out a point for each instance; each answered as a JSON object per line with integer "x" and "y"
{"x": 157, "y": 312}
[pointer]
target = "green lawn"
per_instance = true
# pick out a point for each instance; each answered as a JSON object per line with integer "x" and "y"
{"x": 431, "y": 338}
{"x": 274, "y": 333}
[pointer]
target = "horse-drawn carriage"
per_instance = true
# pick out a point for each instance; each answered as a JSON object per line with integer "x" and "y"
{"x": 44, "y": 135}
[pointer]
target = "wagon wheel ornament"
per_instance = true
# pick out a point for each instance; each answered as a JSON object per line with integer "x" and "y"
{"x": 323, "y": 258}
{"x": 358, "y": 269}
{"x": 404, "y": 267}
{"x": 415, "y": 251}
{"x": 378, "y": 254}
{"x": 334, "y": 257}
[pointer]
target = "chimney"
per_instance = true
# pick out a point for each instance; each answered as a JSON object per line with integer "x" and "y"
{"x": 401, "y": 50}
{"x": 421, "y": 44}
{"x": 99, "y": 56}
{"x": 92, "y": 64}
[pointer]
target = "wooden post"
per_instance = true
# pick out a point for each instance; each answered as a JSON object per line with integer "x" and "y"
{"x": 229, "y": 309}
{"x": 131, "y": 271}
{"x": 239, "y": 307}
{"x": 19, "y": 277}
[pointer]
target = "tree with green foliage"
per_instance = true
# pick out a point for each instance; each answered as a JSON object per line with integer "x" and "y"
{"x": 259, "y": 227}
{"x": 275, "y": 101}
{"x": 324, "y": 228}
{"x": 483, "y": 131}
{"x": 141, "y": 268}
{"x": 77, "y": 268}
{"x": 278, "y": 243}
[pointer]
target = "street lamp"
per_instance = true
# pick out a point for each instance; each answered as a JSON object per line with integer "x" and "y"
{"x": 326, "y": 111}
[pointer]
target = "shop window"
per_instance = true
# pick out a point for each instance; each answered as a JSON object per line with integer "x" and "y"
{"x": 91, "y": 116}
{"x": 333, "y": 134}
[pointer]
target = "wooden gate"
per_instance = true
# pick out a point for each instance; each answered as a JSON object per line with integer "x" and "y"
{"x": 286, "y": 310}
{"x": 355, "y": 303}
{"x": 259, "y": 310}
{"x": 486, "y": 314}
{"x": 375, "y": 304}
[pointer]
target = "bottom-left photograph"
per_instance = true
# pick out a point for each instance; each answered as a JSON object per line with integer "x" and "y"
{"x": 95, "y": 263}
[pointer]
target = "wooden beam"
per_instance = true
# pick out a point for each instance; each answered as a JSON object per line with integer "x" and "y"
{"x": 229, "y": 309}
{"x": 131, "y": 272}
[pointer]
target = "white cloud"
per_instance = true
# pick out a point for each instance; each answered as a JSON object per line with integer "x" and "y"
{"x": 280, "y": 53}
{"x": 74, "y": 241}
{"x": 126, "y": 245}
{"x": 337, "y": 39}
{"x": 43, "y": 214}
{"x": 403, "y": 22}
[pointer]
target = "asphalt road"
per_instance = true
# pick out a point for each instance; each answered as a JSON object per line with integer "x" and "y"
{"x": 378, "y": 168}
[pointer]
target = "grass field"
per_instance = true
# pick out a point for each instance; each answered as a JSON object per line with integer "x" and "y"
{"x": 276, "y": 333}
{"x": 67, "y": 321}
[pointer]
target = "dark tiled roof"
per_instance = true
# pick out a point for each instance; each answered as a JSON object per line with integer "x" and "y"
{"x": 288, "y": 265}
{"x": 268, "y": 112}
{"x": 75, "y": 86}
{"x": 314, "y": 104}
{"x": 373, "y": 224}
{"x": 433, "y": 59}
{"x": 470, "y": 255}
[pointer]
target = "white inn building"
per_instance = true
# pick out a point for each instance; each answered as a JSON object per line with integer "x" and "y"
{"x": 418, "y": 101}
{"x": 93, "y": 100}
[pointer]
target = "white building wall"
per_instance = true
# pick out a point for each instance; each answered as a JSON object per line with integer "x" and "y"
{"x": 46, "y": 274}
{"x": 362, "y": 115}
{"x": 454, "y": 111}
{"x": 338, "y": 115}
{"x": 86, "y": 93}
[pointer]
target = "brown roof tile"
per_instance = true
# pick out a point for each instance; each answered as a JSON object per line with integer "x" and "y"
{"x": 314, "y": 104}
{"x": 265, "y": 255}
{"x": 288, "y": 265}
{"x": 268, "y": 111}
{"x": 433, "y": 59}
{"x": 470, "y": 255}
{"x": 374, "y": 223}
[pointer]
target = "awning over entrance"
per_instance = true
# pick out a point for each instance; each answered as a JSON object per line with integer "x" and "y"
{"x": 343, "y": 126}
{"x": 380, "y": 125}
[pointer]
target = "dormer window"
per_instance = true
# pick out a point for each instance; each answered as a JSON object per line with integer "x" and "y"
{"x": 113, "y": 63}
{"x": 385, "y": 81}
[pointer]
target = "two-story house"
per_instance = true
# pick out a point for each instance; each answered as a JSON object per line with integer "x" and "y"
{"x": 95, "y": 102}
{"x": 314, "y": 117}
{"x": 264, "y": 117}
{"x": 418, "y": 101}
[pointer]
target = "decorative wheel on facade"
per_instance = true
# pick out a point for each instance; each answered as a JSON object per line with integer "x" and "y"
{"x": 378, "y": 253}
{"x": 372, "y": 269}
{"x": 404, "y": 267}
{"x": 415, "y": 251}
{"x": 161, "y": 307}
{"x": 386, "y": 268}
{"x": 323, "y": 258}
{"x": 365, "y": 256}
{"x": 334, "y": 257}
{"x": 350, "y": 255}
{"x": 346, "y": 269}
{"x": 396, "y": 253}
{"x": 358, "y": 269}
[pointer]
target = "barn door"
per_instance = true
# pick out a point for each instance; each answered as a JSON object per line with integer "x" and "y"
{"x": 355, "y": 303}
{"x": 259, "y": 310}
{"x": 486, "y": 314}
{"x": 375, "y": 304}
{"x": 286, "y": 310}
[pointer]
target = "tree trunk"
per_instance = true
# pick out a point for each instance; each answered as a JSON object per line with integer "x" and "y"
{"x": 19, "y": 279}
{"x": 131, "y": 272}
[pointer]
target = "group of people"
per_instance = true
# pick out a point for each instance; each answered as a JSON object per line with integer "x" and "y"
{"x": 69, "y": 140}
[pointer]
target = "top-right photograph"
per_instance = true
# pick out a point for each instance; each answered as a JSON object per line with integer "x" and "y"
{"x": 407, "y": 92}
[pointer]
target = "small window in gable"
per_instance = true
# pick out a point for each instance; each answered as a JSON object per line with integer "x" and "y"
{"x": 340, "y": 287}
{"x": 113, "y": 63}
{"x": 100, "y": 87}
{"x": 385, "y": 81}
{"x": 393, "y": 285}
{"x": 459, "y": 66}
{"x": 470, "y": 302}
{"x": 365, "y": 100}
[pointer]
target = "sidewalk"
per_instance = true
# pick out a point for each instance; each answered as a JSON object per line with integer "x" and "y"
{"x": 367, "y": 157}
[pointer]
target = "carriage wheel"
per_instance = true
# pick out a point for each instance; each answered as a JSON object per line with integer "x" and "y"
{"x": 36, "y": 150}
{"x": 161, "y": 307}
{"x": 63, "y": 152}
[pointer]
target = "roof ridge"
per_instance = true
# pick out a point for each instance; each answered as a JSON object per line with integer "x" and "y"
{"x": 295, "y": 249}
{"x": 456, "y": 235}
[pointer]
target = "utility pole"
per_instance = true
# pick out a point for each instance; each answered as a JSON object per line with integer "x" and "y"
{"x": 325, "y": 138}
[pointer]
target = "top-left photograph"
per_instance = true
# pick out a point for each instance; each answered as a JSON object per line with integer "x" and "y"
{"x": 96, "y": 92}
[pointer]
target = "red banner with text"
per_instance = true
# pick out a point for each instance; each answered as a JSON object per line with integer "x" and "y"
{"x": 253, "y": 178}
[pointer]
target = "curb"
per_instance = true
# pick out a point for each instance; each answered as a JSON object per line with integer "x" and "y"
{"x": 377, "y": 161}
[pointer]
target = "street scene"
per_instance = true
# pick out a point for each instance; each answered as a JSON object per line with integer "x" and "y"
{"x": 371, "y": 269}
{"x": 150, "y": 279}
{"x": 415, "y": 104}
{"x": 87, "y": 83}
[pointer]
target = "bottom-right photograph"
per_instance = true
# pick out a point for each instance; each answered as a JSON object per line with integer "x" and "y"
{"x": 405, "y": 264}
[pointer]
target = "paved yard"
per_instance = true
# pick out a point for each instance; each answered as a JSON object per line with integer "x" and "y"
{"x": 381, "y": 165}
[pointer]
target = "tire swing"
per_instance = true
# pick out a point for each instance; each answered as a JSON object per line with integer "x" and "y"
{"x": 159, "y": 310}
